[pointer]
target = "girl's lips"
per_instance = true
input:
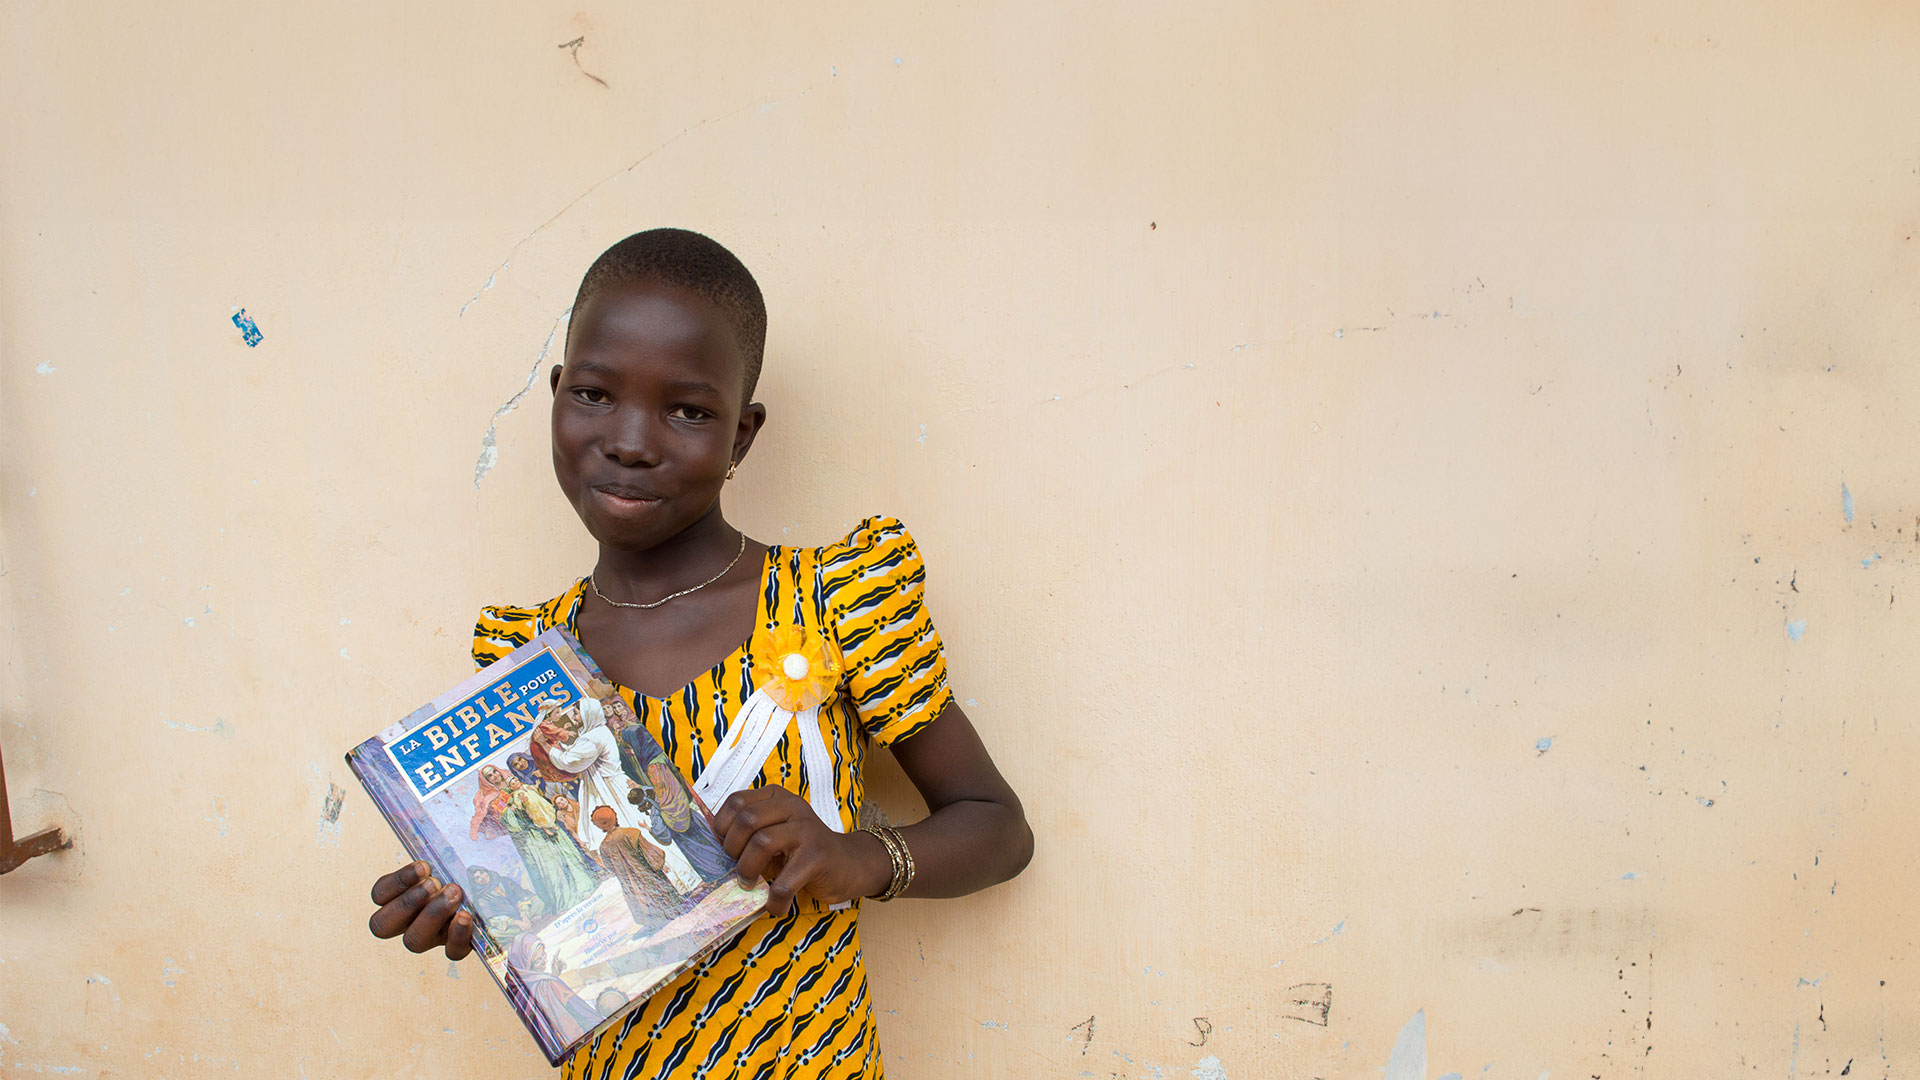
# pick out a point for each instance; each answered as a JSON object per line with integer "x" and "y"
{"x": 619, "y": 500}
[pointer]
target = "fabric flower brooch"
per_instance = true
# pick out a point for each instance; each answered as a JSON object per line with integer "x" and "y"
{"x": 804, "y": 667}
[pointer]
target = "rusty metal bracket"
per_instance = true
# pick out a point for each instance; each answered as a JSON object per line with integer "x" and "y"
{"x": 14, "y": 852}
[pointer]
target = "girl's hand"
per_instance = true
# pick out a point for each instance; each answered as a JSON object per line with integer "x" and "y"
{"x": 775, "y": 836}
{"x": 421, "y": 912}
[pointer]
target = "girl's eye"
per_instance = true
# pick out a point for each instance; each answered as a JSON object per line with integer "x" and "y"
{"x": 687, "y": 412}
{"x": 589, "y": 395}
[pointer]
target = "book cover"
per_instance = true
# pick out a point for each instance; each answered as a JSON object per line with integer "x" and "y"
{"x": 592, "y": 871}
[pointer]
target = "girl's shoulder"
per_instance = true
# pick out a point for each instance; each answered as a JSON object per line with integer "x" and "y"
{"x": 877, "y": 553}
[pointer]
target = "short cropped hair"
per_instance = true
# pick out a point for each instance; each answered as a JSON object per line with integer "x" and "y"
{"x": 698, "y": 264}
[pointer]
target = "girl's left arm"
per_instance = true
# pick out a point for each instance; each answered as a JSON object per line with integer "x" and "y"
{"x": 975, "y": 833}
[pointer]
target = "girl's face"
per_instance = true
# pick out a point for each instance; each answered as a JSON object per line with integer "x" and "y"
{"x": 648, "y": 412}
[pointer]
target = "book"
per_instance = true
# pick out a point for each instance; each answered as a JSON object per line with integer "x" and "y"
{"x": 590, "y": 867}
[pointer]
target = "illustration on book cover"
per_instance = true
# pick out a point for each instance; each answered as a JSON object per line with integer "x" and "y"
{"x": 594, "y": 872}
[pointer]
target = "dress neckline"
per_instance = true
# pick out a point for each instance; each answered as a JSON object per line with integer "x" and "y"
{"x": 770, "y": 565}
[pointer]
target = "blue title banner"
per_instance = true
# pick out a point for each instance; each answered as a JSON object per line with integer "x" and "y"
{"x": 457, "y": 740}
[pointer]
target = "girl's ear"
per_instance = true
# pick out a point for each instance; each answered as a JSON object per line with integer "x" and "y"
{"x": 752, "y": 419}
{"x": 553, "y": 383}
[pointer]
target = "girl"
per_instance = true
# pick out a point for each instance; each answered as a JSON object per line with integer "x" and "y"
{"x": 653, "y": 412}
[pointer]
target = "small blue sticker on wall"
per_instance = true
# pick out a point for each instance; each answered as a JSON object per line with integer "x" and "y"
{"x": 248, "y": 329}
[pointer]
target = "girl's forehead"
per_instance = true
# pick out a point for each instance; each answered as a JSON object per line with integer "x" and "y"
{"x": 631, "y": 327}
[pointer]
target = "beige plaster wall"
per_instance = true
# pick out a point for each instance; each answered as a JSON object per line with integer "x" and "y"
{"x": 1420, "y": 498}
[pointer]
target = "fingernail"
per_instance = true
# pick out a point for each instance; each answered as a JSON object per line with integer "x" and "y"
{"x": 463, "y": 919}
{"x": 453, "y": 894}
{"x": 419, "y": 870}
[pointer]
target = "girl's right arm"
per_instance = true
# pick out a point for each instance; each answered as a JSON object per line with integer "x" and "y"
{"x": 421, "y": 912}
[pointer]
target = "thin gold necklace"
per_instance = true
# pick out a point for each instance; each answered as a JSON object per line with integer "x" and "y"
{"x": 595, "y": 586}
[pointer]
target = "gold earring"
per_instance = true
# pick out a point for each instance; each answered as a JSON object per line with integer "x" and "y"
{"x": 732, "y": 469}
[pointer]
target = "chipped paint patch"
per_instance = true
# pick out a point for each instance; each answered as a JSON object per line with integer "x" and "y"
{"x": 329, "y": 798}
{"x": 249, "y": 330}
{"x": 1797, "y": 629}
{"x": 219, "y": 727}
{"x": 219, "y": 815}
{"x": 44, "y": 368}
{"x": 1846, "y": 503}
{"x": 1543, "y": 744}
{"x": 996, "y": 1025}
{"x": 171, "y": 973}
{"x": 1339, "y": 928}
{"x": 1209, "y": 1068}
{"x": 1409, "y": 1058}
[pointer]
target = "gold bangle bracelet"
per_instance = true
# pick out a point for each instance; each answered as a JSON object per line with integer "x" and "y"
{"x": 903, "y": 867}
{"x": 894, "y": 859}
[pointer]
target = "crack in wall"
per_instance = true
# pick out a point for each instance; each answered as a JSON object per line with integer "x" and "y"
{"x": 615, "y": 175}
{"x": 489, "y": 443}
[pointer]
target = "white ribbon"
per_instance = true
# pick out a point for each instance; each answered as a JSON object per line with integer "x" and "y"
{"x": 756, "y": 731}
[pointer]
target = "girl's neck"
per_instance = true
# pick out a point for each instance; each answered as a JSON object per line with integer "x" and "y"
{"x": 691, "y": 555}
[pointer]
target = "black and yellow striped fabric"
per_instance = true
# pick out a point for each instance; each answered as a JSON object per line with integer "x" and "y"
{"x": 787, "y": 999}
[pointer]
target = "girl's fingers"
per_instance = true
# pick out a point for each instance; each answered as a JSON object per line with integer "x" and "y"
{"x": 390, "y": 886}
{"x": 799, "y": 871}
{"x": 737, "y": 802}
{"x": 758, "y": 851}
{"x": 749, "y": 821}
{"x": 460, "y": 936}
{"x": 395, "y": 915}
{"x": 429, "y": 928}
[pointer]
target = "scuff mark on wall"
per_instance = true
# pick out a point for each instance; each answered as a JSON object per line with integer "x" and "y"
{"x": 44, "y": 368}
{"x": 489, "y": 446}
{"x": 1310, "y": 1002}
{"x": 1846, "y": 503}
{"x": 574, "y": 48}
{"x": 1086, "y": 1040}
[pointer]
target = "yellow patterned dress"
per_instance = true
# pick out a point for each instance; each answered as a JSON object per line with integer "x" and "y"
{"x": 787, "y": 1000}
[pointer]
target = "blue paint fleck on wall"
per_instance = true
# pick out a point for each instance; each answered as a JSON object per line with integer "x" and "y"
{"x": 1867, "y": 563}
{"x": 1543, "y": 744}
{"x": 251, "y": 331}
{"x": 1846, "y": 503}
{"x": 1796, "y": 628}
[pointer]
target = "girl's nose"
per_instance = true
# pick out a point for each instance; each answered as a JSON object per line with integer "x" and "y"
{"x": 635, "y": 441}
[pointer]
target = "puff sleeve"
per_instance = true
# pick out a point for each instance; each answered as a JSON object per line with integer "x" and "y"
{"x": 874, "y": 587}
{"x": 500, "y": 630}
